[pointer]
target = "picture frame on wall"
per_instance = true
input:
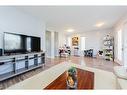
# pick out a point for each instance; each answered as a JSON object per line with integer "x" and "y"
{"x": 75, "y": 41}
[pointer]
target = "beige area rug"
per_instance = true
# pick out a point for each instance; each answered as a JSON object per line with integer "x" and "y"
{"x": 103, "y": 79}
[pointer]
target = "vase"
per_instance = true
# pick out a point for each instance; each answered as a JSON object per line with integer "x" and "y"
{"x": 72, "y": 80}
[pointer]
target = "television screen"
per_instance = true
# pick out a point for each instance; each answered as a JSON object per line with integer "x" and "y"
{"x": 35, "y": 44}
{"x": 12, "y": 42}
{"x": 16, "y": 43}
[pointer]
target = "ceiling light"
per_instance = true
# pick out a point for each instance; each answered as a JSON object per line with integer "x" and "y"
{"x": 100, "y": 24}
{"x": 70, "y": 30}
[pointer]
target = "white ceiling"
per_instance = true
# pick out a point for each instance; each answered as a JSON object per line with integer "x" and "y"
{"x": 80, "y": 18}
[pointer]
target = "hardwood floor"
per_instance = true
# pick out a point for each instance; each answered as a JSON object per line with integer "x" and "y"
{"x": 85, "y": 81}
{"x": 90, "y": 62}
{"x": 98, "y": 63}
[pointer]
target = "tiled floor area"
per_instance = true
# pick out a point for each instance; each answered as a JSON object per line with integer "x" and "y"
{"x": 89, "y": 62}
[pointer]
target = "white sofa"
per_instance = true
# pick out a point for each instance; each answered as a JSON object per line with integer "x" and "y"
{"x": 121, "y": 77}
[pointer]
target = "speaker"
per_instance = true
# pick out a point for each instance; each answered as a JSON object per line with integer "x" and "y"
{"x": 1, "y": 52}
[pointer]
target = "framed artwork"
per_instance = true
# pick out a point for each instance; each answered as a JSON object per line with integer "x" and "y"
{"x": 75, "y": 41}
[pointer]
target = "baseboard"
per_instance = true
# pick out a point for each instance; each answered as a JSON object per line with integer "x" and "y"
{"x": 117, "y": 61}
{"x": 48, "y": 56}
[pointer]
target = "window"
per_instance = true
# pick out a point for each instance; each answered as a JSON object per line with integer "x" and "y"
{"x": 83, "y": 43}
{"x": 120, "y": 45}
{"x": 69, "y": 41}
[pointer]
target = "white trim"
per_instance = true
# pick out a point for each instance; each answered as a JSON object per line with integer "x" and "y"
{"x": 48, "y": 56}
{"x": 117, "y": 61}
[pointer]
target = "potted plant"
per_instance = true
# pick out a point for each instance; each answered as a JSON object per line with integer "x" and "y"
{"x": 72, "y": 78}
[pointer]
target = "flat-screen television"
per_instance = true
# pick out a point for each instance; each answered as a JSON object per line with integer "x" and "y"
{"x": 16, "y": 43}
{"x": 35, "y": 44}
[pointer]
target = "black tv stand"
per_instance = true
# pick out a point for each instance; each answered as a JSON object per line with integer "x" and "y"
{"x": 23, "y": 58}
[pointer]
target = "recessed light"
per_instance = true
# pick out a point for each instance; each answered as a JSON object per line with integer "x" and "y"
{"x": 70, "y": 30}
{"x": 100, "y": 24}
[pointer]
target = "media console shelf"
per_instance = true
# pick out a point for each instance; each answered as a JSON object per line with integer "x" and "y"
{"x": 38, "y": 59}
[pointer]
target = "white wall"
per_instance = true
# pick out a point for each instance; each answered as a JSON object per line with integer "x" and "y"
{"x": 56, "y": 51}
{"x": 48, "y": 44}
{"x": 14, "y": 21}
{"x": 94, "y": 39}
{"x": 116, "y": 29}
{"x": 62, "y": 39}
{"x": 51, "y": 44}
{"x": 120, "y": 25}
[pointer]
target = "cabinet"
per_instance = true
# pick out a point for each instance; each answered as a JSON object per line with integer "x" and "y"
{"x": 24, "y": 62}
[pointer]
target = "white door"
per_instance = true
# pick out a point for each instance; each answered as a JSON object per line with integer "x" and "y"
{"x": 125, "y": 44}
